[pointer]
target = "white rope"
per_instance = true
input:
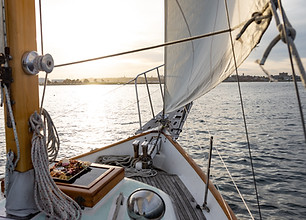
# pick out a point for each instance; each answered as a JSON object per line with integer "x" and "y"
{"x": 128, "y": 163}
{"x": 133, "y": 172}
{"x": 232, "y": 179}
{"x": 244, "y": 202}
{"x": 48, "y": 197}
{"x": 52, "y": 141}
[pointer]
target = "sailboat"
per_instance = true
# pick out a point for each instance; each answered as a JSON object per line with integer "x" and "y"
{"x": 149, "y": 175}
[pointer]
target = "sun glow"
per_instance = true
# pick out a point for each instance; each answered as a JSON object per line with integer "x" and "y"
{"x": 75, "y": 30}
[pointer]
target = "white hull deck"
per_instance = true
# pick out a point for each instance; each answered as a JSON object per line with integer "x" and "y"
{"x": 180, "y": 182}
{"x": 175, "y": 162}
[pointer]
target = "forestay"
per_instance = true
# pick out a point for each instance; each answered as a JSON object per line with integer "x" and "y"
{"x": 195, "y": 67}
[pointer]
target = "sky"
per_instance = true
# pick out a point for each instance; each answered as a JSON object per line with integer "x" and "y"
{"x": 75, "y": 30}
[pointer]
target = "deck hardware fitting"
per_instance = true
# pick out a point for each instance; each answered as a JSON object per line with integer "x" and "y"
{"x": 136, "y": 148}
{"x": 32, "y": 63}
{"x": 119, "y": 202}
{"x": 204, "y": 206}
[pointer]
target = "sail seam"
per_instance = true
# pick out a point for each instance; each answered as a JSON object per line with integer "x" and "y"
{"x": 192, "y": 44}
{"x": 212, "y": 41}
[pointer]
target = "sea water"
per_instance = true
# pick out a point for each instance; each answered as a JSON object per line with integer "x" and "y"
{"x": 91, "y": 116}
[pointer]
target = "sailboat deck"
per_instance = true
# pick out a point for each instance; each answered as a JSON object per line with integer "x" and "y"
{"x": 172, "y": 185}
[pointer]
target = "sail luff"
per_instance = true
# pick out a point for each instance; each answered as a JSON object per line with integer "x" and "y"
{"x": 194, "y": 68}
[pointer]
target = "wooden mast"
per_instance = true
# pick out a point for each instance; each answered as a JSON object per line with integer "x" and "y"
{"x": 21, "y": 37}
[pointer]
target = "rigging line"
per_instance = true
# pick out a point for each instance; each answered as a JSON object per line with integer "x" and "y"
{"x": 242, "y": 108}
{"x": 165, "y": 56}
{"x": 223, "y": 201}
{"x": 230, "y": 175}
{"x": 285, "y": 21}
{"x": 41, "y": 30}
{"x": 42, "y": 53}
{"x": 43, "y": 95}
{"x": 148, "y": 48}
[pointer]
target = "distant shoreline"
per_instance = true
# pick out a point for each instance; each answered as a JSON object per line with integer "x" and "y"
{"x": 104, "y": 81}
{"x": 62, "y": 84}
{"x": 282, "y": 77}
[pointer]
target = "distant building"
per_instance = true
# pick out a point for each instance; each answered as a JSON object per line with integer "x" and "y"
{"x": 41, "y": 81}
{"x": 57, "y": 81}
{"x": 281, "y": 77}
{"x": 285, "y": 77}
{"x": 243, "y": 78}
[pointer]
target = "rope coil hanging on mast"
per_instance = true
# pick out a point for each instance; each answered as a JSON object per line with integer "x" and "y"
{"x": 48, "y": 197}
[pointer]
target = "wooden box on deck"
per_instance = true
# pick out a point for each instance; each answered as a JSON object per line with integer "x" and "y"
{"x": 94, "y": 191}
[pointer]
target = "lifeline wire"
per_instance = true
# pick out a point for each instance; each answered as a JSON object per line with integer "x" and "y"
{"x": 242, "y": 109}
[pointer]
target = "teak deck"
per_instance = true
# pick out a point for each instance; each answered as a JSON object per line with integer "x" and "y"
{"x": 175, "y": 188}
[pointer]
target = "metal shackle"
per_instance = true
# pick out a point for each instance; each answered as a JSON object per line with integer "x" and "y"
{"x": 32, "y": 63}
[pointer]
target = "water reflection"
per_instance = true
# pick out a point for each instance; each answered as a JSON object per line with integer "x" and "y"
{"x": 92, "y": 116}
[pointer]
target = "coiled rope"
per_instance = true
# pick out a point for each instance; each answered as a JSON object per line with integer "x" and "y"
{"x": 128, "y": 163}
{"x": 48, "y": 197}
{"x": 52, "y": 140}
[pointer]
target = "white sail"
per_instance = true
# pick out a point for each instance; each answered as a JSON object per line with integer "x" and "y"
{"x": 195, "y": 67}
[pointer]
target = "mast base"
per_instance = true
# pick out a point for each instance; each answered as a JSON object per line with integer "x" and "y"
{"x": 20, "y": 200}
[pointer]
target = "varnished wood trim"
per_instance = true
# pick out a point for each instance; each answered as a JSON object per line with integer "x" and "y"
{"x": 21, "y": 36}
{"x": 225, "y": 207}
{"x": 94, "y": 192}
